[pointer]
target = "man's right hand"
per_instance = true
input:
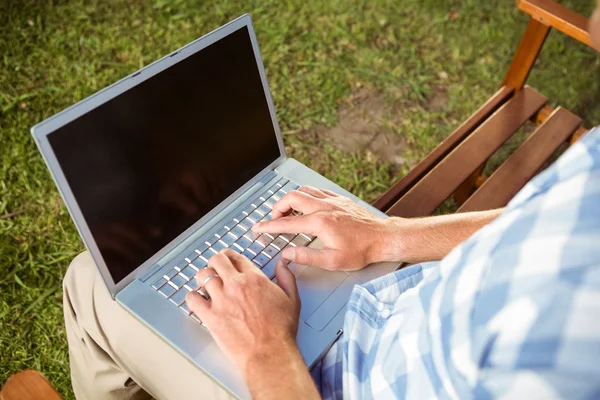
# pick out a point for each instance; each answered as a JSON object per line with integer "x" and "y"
{"x": 352, "y": 237}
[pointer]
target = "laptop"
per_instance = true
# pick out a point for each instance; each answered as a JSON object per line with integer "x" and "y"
{"x": 175, "y": 162}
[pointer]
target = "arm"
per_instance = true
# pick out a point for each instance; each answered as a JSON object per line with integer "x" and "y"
{"x": 352, "y": 237}
{"x": 280, "y": 373}
{"x": 430, "y": 238}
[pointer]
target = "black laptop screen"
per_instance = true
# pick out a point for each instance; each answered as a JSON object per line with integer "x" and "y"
{"x": 146, "y": 165}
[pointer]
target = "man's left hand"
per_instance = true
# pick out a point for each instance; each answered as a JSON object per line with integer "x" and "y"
{"x": 252, "y": 319}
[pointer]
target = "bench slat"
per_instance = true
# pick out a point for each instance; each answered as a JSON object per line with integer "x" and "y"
{"x": 424, "y": 197}
{"x": 425, "y": 165}
{"x": 524, "y": 163}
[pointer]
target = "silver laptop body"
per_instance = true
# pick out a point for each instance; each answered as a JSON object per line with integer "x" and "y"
{"x": 138, "y": 254}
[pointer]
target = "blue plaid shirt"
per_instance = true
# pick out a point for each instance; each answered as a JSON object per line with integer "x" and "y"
{"x": 513, "y": 312}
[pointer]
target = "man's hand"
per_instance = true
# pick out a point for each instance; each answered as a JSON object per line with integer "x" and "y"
{"x": 352, "y": 237}
{"x": 254, "y": 321}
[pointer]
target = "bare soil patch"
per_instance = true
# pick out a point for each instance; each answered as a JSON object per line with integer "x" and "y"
{"x": 362, "y": 126}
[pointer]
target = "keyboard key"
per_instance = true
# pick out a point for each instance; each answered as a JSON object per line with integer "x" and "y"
{"x": 228, "y": 239}
{"x": 230, "y": 224}
{"x": 188, "y": 272}
{"x": 171, "y": 273}
{"x": 158, "y": 284}
{"x": 249, "y": 210}
{"x": 300, "y": 241}
{"x": 191, "y": 257}
{"x": 179, "y": 296}
{"x": 264, "y": 240}
{"x": 251, "y": 235}
{"x": 181, "y": 265}
{"x": 237, "y": 232}
{"x": 289, "y": 186}
{"x": 218, "y": 246}
{"x": 270, "y": 251}
{"x": 240, "y": 217}
{"x": 236, "y": 249}
{"x": 282, "y": 182}
{"x": 211, "y": 240}
{"x": 255, "y": 217}
{"x": 261, "y": 260}
{"x": 222, "y": 232}
{"x": 267, "y": 217}
{"x": 201, "y": 248}
{"x": 246, "y": 224}
{"x": 198, "y": 263}
{"x": 243, "y": 242}
{"x": 270, "y": 202}
{"x": 256, "y": 248}
{"x": 269, "y": 268}
{"x": 279, "y": 242}
{"x": 178, "y": 281}
{"x": 308, "y": 236}
{"x": 270, "y": 236}
{"x": 192, "y": 284}
{"x": 278, "y": 195}
{"x": 287, "y": 236}
{"x": 249, "y": 255}
{"x": 167, "y": 290}
{"x": 263, "y": 209}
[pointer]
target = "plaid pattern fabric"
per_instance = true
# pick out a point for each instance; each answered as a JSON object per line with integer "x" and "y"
{"x": 513, "y": 312}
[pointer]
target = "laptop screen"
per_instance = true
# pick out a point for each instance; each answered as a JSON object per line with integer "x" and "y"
{"x": 146, "y": 165}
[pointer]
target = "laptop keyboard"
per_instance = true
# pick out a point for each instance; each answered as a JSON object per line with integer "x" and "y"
{"x": 264, "y": 250}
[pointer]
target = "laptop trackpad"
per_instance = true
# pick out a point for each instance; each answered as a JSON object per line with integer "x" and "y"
{"x": 315, "y": 286}
{"x": 334, "y": 303}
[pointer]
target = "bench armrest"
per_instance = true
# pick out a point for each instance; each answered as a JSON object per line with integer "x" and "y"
{"x": 552, "y": 14}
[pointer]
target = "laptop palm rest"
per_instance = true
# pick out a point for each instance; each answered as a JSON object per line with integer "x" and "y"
{"x": 323, "y": 293}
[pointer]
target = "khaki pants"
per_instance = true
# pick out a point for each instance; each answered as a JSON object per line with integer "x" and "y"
{"x": 114, "y": 356}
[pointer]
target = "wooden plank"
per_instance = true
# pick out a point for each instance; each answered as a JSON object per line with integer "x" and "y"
{"x": 529, "y": 47}
{"x": 28, "y": 385}
{"x": 424, "y": 197}
{"x": 524, "y": 163}
{"x": 421, "y": 169}
{"x": 559, "y": 17}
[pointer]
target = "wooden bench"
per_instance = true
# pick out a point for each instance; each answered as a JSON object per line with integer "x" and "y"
{"x": 28, "y": 385}
{"x": 454, "y": 167}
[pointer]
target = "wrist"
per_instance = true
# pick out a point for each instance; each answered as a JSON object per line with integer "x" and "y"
{"x": 274, "y": 356}
{"x": 394, "y": 242}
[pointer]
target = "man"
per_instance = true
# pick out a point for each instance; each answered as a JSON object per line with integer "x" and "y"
{"x": 510, "y": 311}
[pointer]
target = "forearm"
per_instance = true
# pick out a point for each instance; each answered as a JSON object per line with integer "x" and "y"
{"x": 431, "y": 238}
{"x": 280, "y": 373}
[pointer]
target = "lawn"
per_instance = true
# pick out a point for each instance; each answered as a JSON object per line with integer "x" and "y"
{"x": 412, "y": 69}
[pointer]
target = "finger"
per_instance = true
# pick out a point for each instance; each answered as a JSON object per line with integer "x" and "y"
{"x": 298, "y": 201}
{"x": 308, "y": 256}
{"x": 212, "y": 287}
{"x": 222, "y": 265}
{"x": 330, "y": 193}
{"x": 198, "y": 305}
{"x": 291, "y": 224}
{"x": 287, "y": 281}
{"x": 240, "y": 262}
{"x": 318, "y": 193}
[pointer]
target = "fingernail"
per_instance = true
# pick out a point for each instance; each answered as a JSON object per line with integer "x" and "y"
{"x": 190, "y": 295}
{"x": 289, "y": 254}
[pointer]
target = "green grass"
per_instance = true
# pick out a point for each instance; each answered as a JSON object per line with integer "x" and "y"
{"x": 316, "y": 52}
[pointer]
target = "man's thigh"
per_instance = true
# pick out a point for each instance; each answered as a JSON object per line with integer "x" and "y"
{"x": 107, "y": 345}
